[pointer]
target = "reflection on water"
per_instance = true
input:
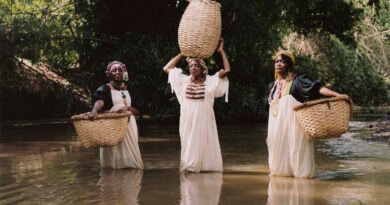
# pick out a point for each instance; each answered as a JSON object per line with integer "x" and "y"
{"x": 120, "y": 186}
{"x": 200, "y": 188}
{"x": 44, "y": 165}
{"x": 292, "y": 191}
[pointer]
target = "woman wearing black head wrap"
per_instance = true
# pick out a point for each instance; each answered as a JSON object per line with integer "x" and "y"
{"x": 115, "y": 97}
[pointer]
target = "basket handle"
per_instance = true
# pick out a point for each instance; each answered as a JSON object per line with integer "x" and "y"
{"x": 328, "y": 104}
{"x": 349, "y": 101}
{"x": 350, "y": 107}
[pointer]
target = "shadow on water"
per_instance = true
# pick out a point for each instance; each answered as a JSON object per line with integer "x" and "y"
{"x": 44, "y": 164}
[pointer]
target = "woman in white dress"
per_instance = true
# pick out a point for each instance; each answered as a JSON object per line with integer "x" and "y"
{"x": 289, "y": 152}
{"x": 115, "y": 97}
{"x": 200, "y": 149}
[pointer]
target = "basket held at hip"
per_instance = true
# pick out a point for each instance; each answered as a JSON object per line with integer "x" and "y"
{"x": 324, "y": 118}
{"x": 108, "y": 129}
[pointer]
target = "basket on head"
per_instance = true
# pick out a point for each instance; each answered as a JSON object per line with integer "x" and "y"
{"x": 200, "y": 28}
{"x": 324, "y": 118}
{"x": 107, "y": 129}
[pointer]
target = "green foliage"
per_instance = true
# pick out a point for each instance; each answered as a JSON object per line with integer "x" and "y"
{"x": 79, "y": 37}
{"x": 373, "y": 34}
{"x": 39, "y": 31}
{"x": 346, "y": 72}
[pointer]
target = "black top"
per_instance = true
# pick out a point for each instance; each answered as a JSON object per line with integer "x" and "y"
{"x": 104, "y": 93}
{"x": 302, "y": 88}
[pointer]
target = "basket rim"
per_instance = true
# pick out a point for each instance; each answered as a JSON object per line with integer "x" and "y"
{"x": 104, "y": 115}
{"x": 320, "y": 101}
{"x": 207, "y": 2}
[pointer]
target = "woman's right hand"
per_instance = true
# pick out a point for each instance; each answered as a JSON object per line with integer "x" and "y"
{"x": 172, "y": 63}
{"x": 96, "y": 107}
{"x": 92, "y": 115}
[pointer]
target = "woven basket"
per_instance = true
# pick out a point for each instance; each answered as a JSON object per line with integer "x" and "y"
{"x": 200, "y": 28}
{"x": 107, "y": 129}
{"x": 324, "y": 118}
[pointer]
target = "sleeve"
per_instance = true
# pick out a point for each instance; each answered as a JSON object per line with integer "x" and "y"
{"x": 306, "y": 88}
{"x": 220, "y": 86}
{"x": 176, "y": 78}
{"x": 103, "y": 93}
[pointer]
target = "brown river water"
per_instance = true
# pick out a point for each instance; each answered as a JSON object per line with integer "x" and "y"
{"x": 44, "y": 164}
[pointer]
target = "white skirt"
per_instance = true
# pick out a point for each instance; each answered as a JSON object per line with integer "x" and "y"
{"x": 125, "y": 154}
{"x": 290, "y": 153}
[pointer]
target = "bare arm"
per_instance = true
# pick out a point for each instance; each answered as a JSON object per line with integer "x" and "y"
{"x": 172, "y": 63}
{"x": 226, "y": 65}
{"x": 133, "y": 110}
{"x": 96, "y": 108}
{"x": 330, "y": 93}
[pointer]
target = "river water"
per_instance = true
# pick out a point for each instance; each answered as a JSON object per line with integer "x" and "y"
{"x": 46, "y": 165}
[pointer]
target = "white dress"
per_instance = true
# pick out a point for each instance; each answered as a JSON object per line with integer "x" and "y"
{"x": 200, "y": 149}
{"x": 125, "y": 154}
{"x": 290, "y": 153}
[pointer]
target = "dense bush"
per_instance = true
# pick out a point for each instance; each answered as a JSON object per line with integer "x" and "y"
{"x": 79, "y": 37}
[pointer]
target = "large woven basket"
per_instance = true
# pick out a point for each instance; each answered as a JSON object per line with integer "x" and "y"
{"x": 200, "y": 28}
{"x": 107, "y": 129}
{"x": 324, "y": 118}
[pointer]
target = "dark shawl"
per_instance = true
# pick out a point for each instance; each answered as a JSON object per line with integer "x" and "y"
{"x": 302, "y": 89}
{"x": 104, "y": 93}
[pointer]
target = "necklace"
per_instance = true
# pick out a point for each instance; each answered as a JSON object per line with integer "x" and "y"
{"x": 279, "y": 88}
{"x": 198, "y": 80}
{"x": 116, "y": 86}
{"x": 123, "y": 95}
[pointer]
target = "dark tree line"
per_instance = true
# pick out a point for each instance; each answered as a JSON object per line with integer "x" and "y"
{"x": 79, "y": 37}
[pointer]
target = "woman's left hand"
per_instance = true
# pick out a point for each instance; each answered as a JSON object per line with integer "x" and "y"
{"x": 124, "y": 109}
{"x": 342, "y": 95}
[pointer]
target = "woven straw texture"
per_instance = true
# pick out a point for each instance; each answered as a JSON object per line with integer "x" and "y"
{"x": 200, "y": 28}
{"x": 107, "y": 129}
{"x": 324, "y": 118}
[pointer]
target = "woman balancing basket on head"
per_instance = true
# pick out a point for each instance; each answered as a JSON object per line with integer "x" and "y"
{"x": 114, "y": 132}
{"x": 196, "y": 92}
{"x": 291, "y": 133}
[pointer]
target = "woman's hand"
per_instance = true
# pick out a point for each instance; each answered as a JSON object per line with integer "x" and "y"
{"x": 123, "y": 109}
{"x": 342, "y": 95}
{"x": 96, "y": 107}
{"x": 226, "y": 65}
{"x": 92, "y": 115}
{"x": 330, "y": 93}
{"x": 220, "y": 46}
{"x": 172, "y": 63}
